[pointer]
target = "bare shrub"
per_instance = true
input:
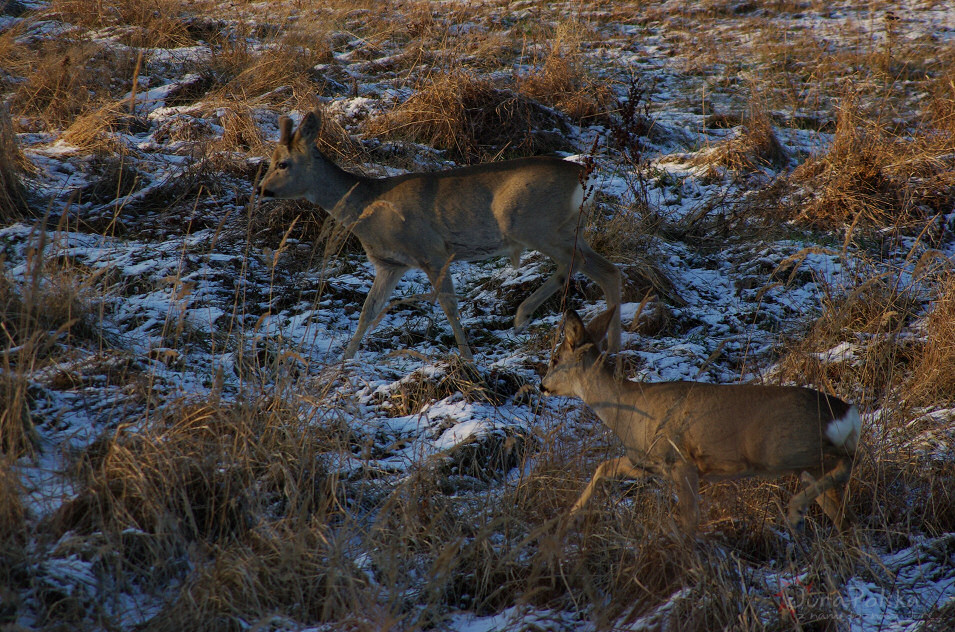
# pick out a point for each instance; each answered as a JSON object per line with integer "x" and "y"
{"x": 473, "y": 119}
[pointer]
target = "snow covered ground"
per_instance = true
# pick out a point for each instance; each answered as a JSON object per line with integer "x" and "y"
{"x": 193, "y": 301}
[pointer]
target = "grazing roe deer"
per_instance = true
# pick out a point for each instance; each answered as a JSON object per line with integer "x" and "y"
{"x": 426, "y": 220}
{"x": 685, "y": 431}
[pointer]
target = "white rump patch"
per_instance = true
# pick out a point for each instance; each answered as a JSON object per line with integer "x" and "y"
{"x": 578, "y": 198}
{"x": 844, "y": 431}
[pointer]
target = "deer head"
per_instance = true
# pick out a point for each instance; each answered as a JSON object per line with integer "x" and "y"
{"x": 579, "y": 353}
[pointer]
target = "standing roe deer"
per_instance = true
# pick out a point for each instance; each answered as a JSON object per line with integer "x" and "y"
{"x": 685, "y": 431}
{"x": 426, "y": 220}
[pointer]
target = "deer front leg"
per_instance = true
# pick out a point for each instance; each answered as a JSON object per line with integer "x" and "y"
{"x": 614, "y": 468}
{"x": 820, "y": 492}
{"x": 386, "y": 280}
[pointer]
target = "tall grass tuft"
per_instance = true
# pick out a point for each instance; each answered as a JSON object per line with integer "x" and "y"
{"x": 13, "y": 201}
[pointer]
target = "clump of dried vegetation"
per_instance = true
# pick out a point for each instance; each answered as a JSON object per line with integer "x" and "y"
{"x": 563, "y": 82}
{"x": 755, "y": 147}
{"x": 13, "y": 200}
{"x": 873, "y": 175}
{"x": 472, "y": 118}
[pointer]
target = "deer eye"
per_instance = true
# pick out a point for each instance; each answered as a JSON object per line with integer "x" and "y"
{"x": 282, "y": 165}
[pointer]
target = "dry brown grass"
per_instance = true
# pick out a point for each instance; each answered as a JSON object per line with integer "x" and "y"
{"x": 622, "y": 235}
{"x": 232, "y": 502}
{"x": 486, "y": 552}
{"x": 932, "y": 381}
{"x": 100, "y": 131}
{"x": 278, "y": 74}
{"x": 473, "y": 119}
{"x": 902, "y": 482}
{"x": 869, "y": 317}
{"x": 563, "y": 82}
{"x": 51, "y": 305}
{"x": 755, "y": 147}
{"x": 143, "y": 23}
{"x": 64, "y": 79}
{"x": 15, "y": 532}
{"x": 199, "y": 473}
{"x": 12, "y": 512}
{"x": 420, "y": 388}
{"x": 13, "y": 202}
{"x": 873, "y": 176}
{"x": 281, "y": 570}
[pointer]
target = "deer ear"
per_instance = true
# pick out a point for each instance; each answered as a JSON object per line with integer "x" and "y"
{"x": 285, "y": 130}
{"x": 574, "y": 331}
{"x": 308, "y": 129}
{"x": 598, "y": 326}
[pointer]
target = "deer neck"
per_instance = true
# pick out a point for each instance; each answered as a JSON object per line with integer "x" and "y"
{"x": 628, "y": 408}
{"x": 337, "y": 191}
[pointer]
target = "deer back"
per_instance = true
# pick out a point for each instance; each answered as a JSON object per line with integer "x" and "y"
{"x": 737, "y": 430}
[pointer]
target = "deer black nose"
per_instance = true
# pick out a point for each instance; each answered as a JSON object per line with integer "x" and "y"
{"x": 265, "y": 192}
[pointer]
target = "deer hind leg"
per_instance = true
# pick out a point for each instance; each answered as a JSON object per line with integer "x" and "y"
{"x": 614, "y": 468}
{"x": 687, "y": 479}
{"x": 530, "y": 304}
{"x": 607, "y": 276}
{"x": 827, "y": 491}
{"x": 444, "y": 287}
{"x": 833, "y": 504}
{"x": 386, "y": 280}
